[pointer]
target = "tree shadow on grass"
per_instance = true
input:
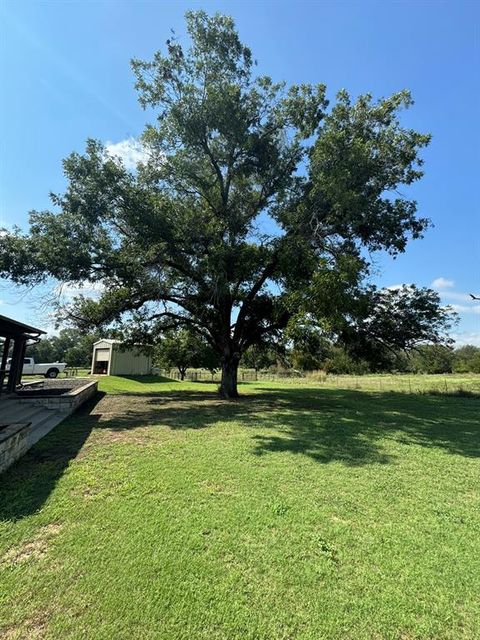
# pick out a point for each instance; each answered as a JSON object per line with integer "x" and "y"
{"x": 158, "y": 380}
{"x": 325, "y": 424}
{"x": 350, "y": 427}
{"x": 148, "y": 379}
{"x": 27, "y": 484}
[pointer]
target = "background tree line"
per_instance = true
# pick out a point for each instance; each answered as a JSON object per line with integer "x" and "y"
{"x": 70, "y": 345}
{"x": 311, "y": 351}
{"x": 336, "y": 359}
{"x": 184, "y": 350}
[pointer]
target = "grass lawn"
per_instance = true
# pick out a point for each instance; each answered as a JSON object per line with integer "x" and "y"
{"x": 300, "y": 511}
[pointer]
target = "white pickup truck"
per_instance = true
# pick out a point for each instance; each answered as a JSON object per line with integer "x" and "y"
{"x": 46, "y": 369}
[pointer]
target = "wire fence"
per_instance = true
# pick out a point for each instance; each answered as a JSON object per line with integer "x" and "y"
{"x": 243, "y": 376}
{"x": 408, "y": 383}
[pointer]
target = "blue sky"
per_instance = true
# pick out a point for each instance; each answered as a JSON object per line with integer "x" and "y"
{"x": 65, "y": 76}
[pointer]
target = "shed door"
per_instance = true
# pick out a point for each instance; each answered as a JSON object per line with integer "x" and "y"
{"x": 101, "y": 360}
{"x": 102, "y": 355}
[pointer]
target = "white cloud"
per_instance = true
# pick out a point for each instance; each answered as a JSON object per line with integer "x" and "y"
{"x": 456, "y": 295}
{"x": 440, "y": 284}
{"x": 462, "y": 308}
{"x": 466, "y": 338}
{"x": 444, "y": 287}
{"x": 67, "y": 291}
{"x": 130, "y": 151}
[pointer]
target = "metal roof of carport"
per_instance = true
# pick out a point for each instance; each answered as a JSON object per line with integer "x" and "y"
{"x": 21, "y": 334}
{"x": 10, "y": 328}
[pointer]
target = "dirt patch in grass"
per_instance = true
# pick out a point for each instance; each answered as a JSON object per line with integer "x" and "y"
{"x": 150, "y": 406}
{"x": 128, "y": 418}
{"x": 32, "y": 629}
{"x": 34, "y": 548}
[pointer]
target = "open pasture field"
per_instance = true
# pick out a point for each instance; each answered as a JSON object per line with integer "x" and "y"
{"x": 305, "y": 510}
{"x": 410, "y": 383}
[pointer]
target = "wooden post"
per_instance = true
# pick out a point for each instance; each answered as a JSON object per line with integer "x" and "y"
{"x": 15, "y": 364}
{"x": 21, "y": 359}
{"x": 3, "y": 364}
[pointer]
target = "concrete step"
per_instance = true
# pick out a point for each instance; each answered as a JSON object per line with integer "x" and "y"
{"x": 44, "y": 422}
{"x": 12, "y": 411}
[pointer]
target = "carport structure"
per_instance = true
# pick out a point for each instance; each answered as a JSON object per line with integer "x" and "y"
{"x": 15, "y": 337}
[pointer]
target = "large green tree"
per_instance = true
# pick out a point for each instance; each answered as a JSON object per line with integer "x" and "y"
{"x": 467, "y": 359}
{"x": 184, "y": 349}
{"x": 432, "y": 358}
{"x": 256, "y": 199}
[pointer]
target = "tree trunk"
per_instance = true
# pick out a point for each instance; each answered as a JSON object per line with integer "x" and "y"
{"x": 228, "y": 386}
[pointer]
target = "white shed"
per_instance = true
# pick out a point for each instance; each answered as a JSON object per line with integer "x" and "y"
{"x": 112, "y": 358}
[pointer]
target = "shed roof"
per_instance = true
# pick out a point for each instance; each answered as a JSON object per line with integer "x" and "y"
{"x": 111, "y": 341}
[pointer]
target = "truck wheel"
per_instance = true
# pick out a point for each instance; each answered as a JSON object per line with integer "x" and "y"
{"x": 52, "y": 373}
